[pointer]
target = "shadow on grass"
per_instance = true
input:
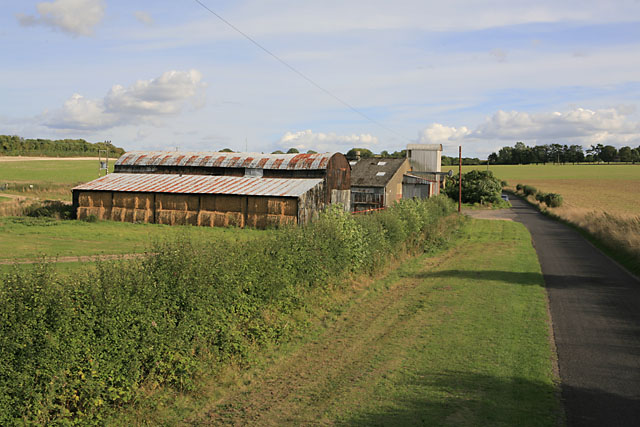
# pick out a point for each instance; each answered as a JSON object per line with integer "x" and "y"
{"x": 462, "y": 398}
{"x": 486, "y": 275}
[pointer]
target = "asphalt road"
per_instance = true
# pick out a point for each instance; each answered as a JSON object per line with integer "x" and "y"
{"x": 595, "y": 309}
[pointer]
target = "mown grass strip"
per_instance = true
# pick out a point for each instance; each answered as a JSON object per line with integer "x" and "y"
{"x": 460, "y": 337}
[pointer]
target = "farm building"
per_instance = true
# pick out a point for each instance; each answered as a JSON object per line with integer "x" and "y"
{"x": 377, "y": 182}
{"x": 425, "y": 157}
{"x": 332, "y": 168}
{"x": 420, "y": 187}
{"x": 200, "y": 199}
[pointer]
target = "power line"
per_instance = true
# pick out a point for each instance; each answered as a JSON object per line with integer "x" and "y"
{"x": 299, "y": 73}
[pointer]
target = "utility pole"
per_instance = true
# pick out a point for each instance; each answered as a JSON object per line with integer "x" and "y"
{"x": 459, "y": 178}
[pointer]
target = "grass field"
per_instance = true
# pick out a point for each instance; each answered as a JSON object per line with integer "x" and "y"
{"x": 459, "y": 338}
{"x": 24, "y": 237}
{"x": 49, "y": 178}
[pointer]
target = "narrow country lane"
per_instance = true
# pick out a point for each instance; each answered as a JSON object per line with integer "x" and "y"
{"x": 595, "y": 308}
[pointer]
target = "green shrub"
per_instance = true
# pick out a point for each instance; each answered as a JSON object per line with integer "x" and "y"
{"x": 540, "y": 196}
{"x": 519, "y": 187}
{"x": 70, "y": 348}
{"x": 49, "y": 209}
{"x": 553, "y": 200}
{"x": 529, "y": 190}
{"x": 477, "y": 187}
{"x": 504, "y": 183}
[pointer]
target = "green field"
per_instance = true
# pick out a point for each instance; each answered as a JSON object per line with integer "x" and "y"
{"x": 37, "y": 237}
{"x": 49, "y": 178}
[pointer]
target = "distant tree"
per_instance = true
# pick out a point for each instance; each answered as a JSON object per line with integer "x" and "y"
{"x": 635, "y": 155}
{"x": 364, "y": 153}
{"x": 575, "y": 154}
{"x": 399, "y": 154}
{"x": 596, "y": 152}
{"x": 493, "y": 158}
{"x": 311, "y": 152}
{"x": 626, "y": 155}
{"x": 226, "y": 150}
{"x": 608, "y": 153}
{"x": 384, "y": 153}
{"x": 277, "y": 152}
{"x": 292, "y": 150}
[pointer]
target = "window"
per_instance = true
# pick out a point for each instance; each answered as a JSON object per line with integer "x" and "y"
{"x": 380, "y": 173}
{"x": 382, "y": 163}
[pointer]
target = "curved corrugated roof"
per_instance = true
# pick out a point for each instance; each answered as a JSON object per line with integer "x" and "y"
{"x": 225, "y": 160}
{"x": 200, "y": 184}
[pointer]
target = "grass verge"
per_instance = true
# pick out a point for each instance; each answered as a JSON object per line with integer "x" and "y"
{"x": 457, "y": 337}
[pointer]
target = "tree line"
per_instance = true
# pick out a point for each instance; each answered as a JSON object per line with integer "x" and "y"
{"x": 13, "y": 145}
{"x": 558, "y": 153}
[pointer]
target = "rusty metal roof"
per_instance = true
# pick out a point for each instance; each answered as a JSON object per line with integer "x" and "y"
{"x": 225, "y": 160}
{"x": 200, "y": 184}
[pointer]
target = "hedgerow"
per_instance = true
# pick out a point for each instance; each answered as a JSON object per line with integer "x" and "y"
{"x": 70, "y": 348}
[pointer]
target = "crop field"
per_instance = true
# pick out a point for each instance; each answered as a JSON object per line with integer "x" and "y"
{"x": 47, "y": 178}
{"x": 603, "y": 188}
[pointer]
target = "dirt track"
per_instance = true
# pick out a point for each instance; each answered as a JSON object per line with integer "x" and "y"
{"x": 595, "y": 308}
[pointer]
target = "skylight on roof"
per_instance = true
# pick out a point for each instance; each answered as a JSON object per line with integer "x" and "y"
{"x": 380, "y": 173}
{"x": 382, "y": 163}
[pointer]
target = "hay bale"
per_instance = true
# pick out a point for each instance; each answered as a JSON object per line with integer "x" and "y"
{"x": 133, "y": 200}
{"x": 257, "y": 220}
{"x": 174, "y": 217}
{"x": 164, "y": 217}
{"x": 206, "y": 218}
{"x": 100, "y": 199}
{"x": 225, "y": 203}
{"x": 257, "y": 205}
{"x": 177, "y": 202}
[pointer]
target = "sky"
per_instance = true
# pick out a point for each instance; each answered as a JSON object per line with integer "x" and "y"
{"x": 167, "y": 74}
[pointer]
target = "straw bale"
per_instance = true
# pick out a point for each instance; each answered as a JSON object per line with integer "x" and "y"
{"x": 206, "y": 218}
{"x": 100, "y": 213}
{"x": 234, "y": 219}
{"x": 224, "y": 203}
{"x": 177, "y": 202}
{"x": 279, "y": 220}
{"x": 132, "y": 200}
{"x": 282, "y": 206}
{"x": 175, "y": 217}
{"x": 258, "y": 205}
{"x": 257, "y": 220}
{"x": 117, "y": 214}
{"x": 101, "y": 199}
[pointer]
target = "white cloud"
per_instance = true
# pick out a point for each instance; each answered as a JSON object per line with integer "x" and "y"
{"x": 144, "y": 100}
{"x": 576, "y": 126}
{"x": 308, "y": 140}
{"x": 440, "y": 134}
{"x": 76, "y": 17}
{"x": 143, "y": 17}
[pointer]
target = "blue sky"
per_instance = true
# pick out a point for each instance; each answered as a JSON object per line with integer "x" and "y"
{"x": 166, "y": 74}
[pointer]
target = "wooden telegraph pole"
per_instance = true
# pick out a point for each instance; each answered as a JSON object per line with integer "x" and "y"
{"x": 459, "y": 178}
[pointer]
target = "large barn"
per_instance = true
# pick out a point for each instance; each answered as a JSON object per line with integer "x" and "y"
{"x": 216, "y": 189}
{"x": 332, "y": 168}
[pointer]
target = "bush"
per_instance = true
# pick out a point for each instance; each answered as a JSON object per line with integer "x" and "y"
{"x": 553, "y": 200}
{"x": 477, "y": 187}
{"x": 49, "y": 209}
{"x": 504, "y": 183}
{"x": 70, "y": 348}
{"x": 529, "y": 190}
{"x": 540, "y": 197}
{"x": 519, "y": 187}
